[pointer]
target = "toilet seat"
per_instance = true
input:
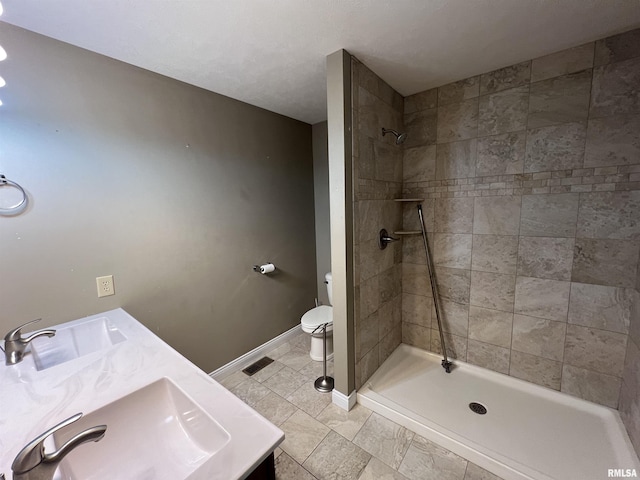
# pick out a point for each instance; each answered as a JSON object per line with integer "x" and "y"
{"x": 317, "y": 316}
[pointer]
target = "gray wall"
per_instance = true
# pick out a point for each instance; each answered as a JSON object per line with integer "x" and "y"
{"x": 531, "y": 175}
{"x": 321, "y": 201}
{"x": 174, "y": 190}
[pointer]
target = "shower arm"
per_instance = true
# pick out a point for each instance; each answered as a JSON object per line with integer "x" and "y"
{"x": 446, "y": 364}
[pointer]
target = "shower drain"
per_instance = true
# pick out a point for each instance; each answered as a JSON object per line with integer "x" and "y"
{"x": 478, "y": 408}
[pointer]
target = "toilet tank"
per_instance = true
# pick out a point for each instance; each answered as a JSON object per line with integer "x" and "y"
{"x": 328, "y": 280}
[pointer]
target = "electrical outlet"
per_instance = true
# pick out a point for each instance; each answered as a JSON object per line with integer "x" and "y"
{"x": 105, "y": 286}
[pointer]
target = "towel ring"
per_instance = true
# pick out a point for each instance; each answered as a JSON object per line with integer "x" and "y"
{"x": 15, "y": 208}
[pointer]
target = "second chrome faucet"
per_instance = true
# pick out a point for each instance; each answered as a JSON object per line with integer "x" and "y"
{"x": 15, "y": 344}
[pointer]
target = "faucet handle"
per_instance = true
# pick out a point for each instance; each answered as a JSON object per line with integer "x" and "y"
{"x": 16, "y": 333}
{"x": 33, "y": 453}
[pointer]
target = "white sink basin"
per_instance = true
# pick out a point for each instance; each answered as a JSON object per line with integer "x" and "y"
{"x": 75, "y": 341}
{"x": 156, "y": 433}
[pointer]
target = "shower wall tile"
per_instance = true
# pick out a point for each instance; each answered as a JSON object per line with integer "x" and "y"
{"x": 452, "y": 250}
{"x": 596, "y": 350}
{"x": 389, "y": 316}
{"x": 600, "y": 306}
{"x": 369, "y": 364}
{"x": 453, "y": 284}
{"x": 369, "y": 296}
{"x": 548, "y": 299}
{"x": 605, "y": 262}
{"x": 413, "y": 250}
{"x": 502, "y": 112}
{"x": 390, "y": 342}
{"x": 419, "y": 164}
{"x": 492, "y": 290}
{"x": 630, "y": 394}
{"x": 618, "y": 48}
{"x": 454, "y": 215}
{"x": 556, "y": 147}
{"x": 490, "y": 326}
{"x": 613, "y": 141}
{"x": 458, "y": 91}
{"x": 420, "y": 128}
{"x": 368, "y": 335}
{"x": 560, "y": 100}
{"x": 535, "y": 336}
{"x": 416, "y": 335}
{"x": 545, "y": 257}
{"x": 456, "y": 345}
{"x": 457, "y": 121}
{"x": 389, "y": 284}
{"x": 454, "y": 317}
{"x": 501, "y": 154}
{"x": 564, "y": 62}
{"x": 535, "y": 369}
{"x": 456, "y": 159}
{"x": 415, "y": 279}
{"x": 488, "y": 356}
{"x": 609, "y": 215}
{"x": 497, "y": 215}
{"x": 592, "y": 386}
{"x": 494, "y": 253}
{"x": 416, "y": 309}
{"x": 615, "y": 88}
{"x": 553, "y": 215}
{"x": 421, "y": 101}
{"x": 505, "y": 78}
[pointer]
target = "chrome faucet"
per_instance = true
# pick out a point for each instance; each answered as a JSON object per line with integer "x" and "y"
{"x": 15, "y": 344}
{"x": 33, "y": 463}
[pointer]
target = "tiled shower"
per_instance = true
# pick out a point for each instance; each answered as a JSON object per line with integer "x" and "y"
{"x": 531, "y": 183}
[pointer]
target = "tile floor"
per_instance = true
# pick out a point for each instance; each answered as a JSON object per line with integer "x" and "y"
{"x": 325, "y": 442}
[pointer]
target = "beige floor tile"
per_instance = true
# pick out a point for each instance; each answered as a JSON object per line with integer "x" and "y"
{"x": 285, "y": 382}
{"x": 336, "y": 457}
{"x": 275, "y": 408}
{"x": 302, "y": 435}
{"x": 377, "y": 470}
{"x": 427, "y": 461}
{"x": 288, "y": 469}
{"x": 384, "y": 439}
{"x": 268, "y": 371}
{"x": 309, "y": 399}
{"x": 234, "y": 379}
{"x": 313, "y": 369}
{"x": 250, "y": 392}
{"x": 296, "y": 358}
{"x": 474, "y": 472}
{"x": 347, "y": 424}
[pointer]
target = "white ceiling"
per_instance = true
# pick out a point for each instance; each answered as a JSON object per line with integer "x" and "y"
{"x": 272, "y": 53}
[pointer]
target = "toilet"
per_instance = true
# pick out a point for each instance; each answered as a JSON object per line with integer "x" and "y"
{"x": 315, "y": 317}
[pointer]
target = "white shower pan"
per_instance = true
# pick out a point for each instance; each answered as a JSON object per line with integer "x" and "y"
{"x": 528, "y": 432}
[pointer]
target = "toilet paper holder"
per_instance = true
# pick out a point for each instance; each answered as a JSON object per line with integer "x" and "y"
{"x": 265, "y": 268}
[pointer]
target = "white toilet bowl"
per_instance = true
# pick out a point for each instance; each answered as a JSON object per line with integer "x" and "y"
{"x": 313, "y": 319}
{"x": 310, "y": 323}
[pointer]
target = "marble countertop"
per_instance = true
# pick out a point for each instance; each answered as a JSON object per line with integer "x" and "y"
{"x": 33, "y": 401}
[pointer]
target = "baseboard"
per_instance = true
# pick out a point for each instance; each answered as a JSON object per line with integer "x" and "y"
{"x": 343, "y": 401}
{"x": 255, "y": 354}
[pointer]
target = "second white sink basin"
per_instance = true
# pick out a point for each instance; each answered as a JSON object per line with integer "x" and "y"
{"x": 156, "y": 433}
{"x": 75, "y": 341}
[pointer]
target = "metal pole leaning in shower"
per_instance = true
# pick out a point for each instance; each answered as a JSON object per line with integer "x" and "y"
{"x": 446, "y": 364}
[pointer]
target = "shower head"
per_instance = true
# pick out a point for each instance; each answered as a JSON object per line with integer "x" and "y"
{"x": 400, "y": 137}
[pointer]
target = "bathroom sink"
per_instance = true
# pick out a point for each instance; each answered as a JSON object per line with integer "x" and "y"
{"x": 156, "y": 432}
{"x": 75, "y": 341}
